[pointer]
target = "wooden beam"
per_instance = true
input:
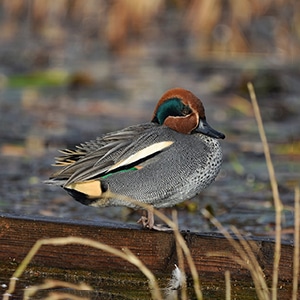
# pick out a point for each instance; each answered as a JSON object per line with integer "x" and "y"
{"x": 156, "y": 249}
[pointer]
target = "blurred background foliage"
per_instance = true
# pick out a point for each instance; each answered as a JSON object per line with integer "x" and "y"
{"x": 203, "y": 27}
{"x": 266, "y": 32}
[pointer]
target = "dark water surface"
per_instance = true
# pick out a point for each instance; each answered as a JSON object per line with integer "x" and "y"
{"x": 37, "y": 122}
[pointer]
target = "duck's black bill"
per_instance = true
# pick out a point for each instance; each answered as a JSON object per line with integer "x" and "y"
{"x": 205, "y": 128}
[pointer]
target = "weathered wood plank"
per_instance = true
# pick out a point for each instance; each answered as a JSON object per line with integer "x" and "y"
{"x": 156, "y": 249}
{"x": 18, "y": 234}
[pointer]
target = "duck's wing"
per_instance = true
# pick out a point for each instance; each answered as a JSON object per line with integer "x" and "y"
{"x": 113, "y": 152}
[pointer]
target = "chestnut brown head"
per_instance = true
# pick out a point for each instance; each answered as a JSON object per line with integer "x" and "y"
{"x": 182, "y": 111}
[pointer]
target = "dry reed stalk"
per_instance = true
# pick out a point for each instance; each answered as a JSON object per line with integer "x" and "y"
{"x": 246, "y": 256}
{"x": 277, "y": 202}
{"x": 218, "y": 25}
{"x": 61, "y": 296}
{"x": 296, "y": 244}
{"x": 129, "y": 17}
{"x": 257, "y": 270}
{"x": 126, "y": 254}
{"x": 227, "y": 285}
{"x": 178, "y": 237}
{"x": 180, "y": 258}
{"x": 50, "y": 284}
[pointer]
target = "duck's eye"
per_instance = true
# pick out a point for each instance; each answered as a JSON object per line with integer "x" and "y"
{"x": 186, "y": 110}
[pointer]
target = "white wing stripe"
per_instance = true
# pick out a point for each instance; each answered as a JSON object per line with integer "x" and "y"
{"x": 142, "y": 154}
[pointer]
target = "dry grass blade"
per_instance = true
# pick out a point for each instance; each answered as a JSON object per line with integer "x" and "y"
{"x": 154, "y": 288}
{"x": 296, "y": 244}
{"x": 228, "y": 285}
{"x": 61, "y": 296}
{"x": 180, "y": 259}
{"x": 126, "y": 255}
{"x": 257, "y": 272}
{"x": 50, "y": 283}
{"x": 277, "y": 202}
{"x": 246, "y": 257}
{"x": 179, "y": 238}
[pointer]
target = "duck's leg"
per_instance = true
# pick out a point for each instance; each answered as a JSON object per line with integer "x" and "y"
{"x": 148, "y": 222}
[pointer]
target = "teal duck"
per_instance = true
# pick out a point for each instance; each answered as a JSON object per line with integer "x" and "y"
{"x": 160, "y": 163}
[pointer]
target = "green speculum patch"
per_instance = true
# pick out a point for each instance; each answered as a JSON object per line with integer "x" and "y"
{"x": 119, "y": 171}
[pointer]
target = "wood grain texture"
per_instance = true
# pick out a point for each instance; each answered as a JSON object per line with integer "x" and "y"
{"x": 156, "y": 249}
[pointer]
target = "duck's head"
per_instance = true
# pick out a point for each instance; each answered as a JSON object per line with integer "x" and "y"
{"x": 183, "y": 112}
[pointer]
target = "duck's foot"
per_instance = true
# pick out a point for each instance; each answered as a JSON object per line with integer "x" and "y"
{"x": 161, "y": 227}
{"x": 148, "y": 222}
{"x": 144, "y": 221}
